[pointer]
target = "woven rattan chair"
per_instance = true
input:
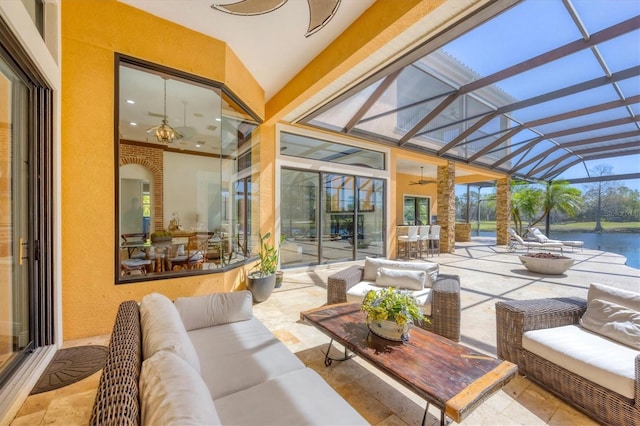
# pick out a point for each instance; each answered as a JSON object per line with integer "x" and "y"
{"x": 516, "y": 317}
{"x": 445, "y": 302}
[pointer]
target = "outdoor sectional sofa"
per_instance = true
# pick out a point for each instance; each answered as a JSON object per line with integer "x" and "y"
{"x": 438, "y": 293}
{"x": 208, "y": 360}
{"x": 586, "y": 352}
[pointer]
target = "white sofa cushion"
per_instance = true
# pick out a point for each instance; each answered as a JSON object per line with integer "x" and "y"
{"x": 401, "y": 278}
{"x": 310, "y": 401}
{"x": 162, "y": 329}
{"x": 618, "y": 296}
{"x": 239, "y": 355}
{"x": 614, "y": 321}
{"x": 214, "y": 309}
{"x": 371, "y": 265}
{"x": 587, "y": 354}
{"x": 357, "y": 292}
{"x": 173, "y": 393}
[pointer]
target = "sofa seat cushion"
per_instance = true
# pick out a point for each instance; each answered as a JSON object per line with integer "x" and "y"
{"x": 239, "y": 355}
{"x": 371, "y": 265}
{"x": 587, "y": 354}
{"x": 173, "y": 393}
{"x": 310, "y": 401}
{"x": 357, "y": 292}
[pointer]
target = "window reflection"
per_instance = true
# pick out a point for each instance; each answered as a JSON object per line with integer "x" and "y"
{"x": 182, "y": 206}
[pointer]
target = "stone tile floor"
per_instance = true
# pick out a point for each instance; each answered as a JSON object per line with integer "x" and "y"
{"x": 488, "y": 273}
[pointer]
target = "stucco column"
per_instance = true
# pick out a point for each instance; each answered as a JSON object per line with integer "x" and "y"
{"x": 503, "y": 210}
{"x": 447, "y": 207}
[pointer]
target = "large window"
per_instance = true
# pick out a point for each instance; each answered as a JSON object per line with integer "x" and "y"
{"x": 183, "y": 204}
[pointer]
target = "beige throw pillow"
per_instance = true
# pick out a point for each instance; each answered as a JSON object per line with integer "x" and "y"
{"x": 214, "y": 309}
{"x": 173, "y": 393}
{"x": 162, "y": 329}
{"x": 618, "y": 296}
{"x": 371, "y": 265}
{"x": 401, "y": 278}
{"x": 613, "y": 321}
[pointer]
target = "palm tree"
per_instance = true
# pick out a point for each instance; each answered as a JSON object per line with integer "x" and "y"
{"x": 527, "y": 201}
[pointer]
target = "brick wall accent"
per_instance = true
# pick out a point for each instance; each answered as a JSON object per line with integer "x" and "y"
{"x": 152, "y": 159}
{"x": 503, "y": 210}
{"x": 447, "y": 207}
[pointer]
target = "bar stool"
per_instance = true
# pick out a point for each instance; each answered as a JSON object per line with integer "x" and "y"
{"x": 410, "y": 240}
{"x": 423, "y": 239}
{"x": 434, "y": 239}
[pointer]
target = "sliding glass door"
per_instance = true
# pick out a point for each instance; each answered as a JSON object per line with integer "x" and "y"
{"x": 15, "y": 337}
{"x": 329, "y": 217}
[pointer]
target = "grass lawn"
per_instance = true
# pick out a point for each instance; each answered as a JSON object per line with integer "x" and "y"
{"x": 490, "y": 226}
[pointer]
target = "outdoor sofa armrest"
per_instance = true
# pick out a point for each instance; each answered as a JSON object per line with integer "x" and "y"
{"x": 117, "y": 397}
{"x": 445, "y": 307}
{"x": 339, "y": 283}
{"x": 515, "y": 317}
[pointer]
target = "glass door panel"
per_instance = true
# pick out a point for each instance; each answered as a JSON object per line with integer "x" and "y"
{"x": 371, "y": 235}
{"x": 299, "y": 197}
{"x": 14, "y": 213}
{"x": 339, "y": 218}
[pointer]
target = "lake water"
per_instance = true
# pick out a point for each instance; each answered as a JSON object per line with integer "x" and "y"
{"x": 626, "y": 244}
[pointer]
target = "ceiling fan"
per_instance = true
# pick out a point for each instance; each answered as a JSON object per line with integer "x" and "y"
{"x": 423, "y": 181}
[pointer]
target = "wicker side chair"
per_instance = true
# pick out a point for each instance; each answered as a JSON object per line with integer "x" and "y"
{"x": 513, "y": 318}
{"x": 117, "y": 402}
{"x": 445, "y": 303}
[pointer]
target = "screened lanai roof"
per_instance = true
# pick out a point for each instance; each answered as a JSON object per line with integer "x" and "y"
{"x": 539, "y": 89}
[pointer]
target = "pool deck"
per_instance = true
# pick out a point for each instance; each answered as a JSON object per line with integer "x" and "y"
{"x": 488, "y": 273}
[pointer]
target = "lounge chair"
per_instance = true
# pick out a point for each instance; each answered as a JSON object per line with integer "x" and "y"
{"x": 541, "y": 238}
{"x": 518, "y": 241}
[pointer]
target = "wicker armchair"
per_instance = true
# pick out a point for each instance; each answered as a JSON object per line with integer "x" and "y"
{"x": 445, "y": 303}
{"x": 516, "y": 317}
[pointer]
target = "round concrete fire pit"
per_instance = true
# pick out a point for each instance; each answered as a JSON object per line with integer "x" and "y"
{"x": 546, "y": 263}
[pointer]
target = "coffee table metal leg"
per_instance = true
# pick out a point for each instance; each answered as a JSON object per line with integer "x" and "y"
{"x": 328, "y": 360}
{"x": 443, "y": 417}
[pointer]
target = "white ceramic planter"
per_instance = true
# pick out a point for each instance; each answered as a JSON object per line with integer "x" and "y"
{"x": 546, "y": 266}
{"x": 389, "y": 330}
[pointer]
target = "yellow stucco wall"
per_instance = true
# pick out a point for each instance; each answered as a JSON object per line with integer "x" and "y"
{"x": 90, "y": 36}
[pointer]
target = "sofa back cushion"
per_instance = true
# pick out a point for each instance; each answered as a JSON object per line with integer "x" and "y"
{"x": 401, "y": 278}
{"x": 614, "y": 321}
{"x": 173, "y": 393}
{"x": 618, "y": 296}
{"x": 371, "y": 265}
{"x": 162, "y": 329}
{"x": 214, "y": 309}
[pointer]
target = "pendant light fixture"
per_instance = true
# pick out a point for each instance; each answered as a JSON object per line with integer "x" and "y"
{"x": 164, "y": 133}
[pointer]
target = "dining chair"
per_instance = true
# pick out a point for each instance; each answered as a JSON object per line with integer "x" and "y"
{"x": 193, "y": 255}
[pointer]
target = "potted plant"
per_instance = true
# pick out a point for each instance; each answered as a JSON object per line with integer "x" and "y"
{"x": 262, "y": 281}
{"x": 160, "y": 236}
{"x": 390, "y": 313}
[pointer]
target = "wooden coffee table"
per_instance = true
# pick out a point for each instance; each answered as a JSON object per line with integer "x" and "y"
{"x": 454, "y": 378}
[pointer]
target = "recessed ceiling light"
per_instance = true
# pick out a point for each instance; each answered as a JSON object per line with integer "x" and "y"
{"x": 131, "y": 101}
{"x": 133, "y": 124}
{"x": 198, "y": 145}
{"x": 217, "y": 119}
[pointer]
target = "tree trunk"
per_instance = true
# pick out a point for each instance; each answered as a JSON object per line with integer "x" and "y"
{"x": 598, "y": 227}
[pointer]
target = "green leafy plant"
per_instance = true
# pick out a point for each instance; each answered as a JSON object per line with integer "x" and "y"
{"x": 268, "y": 255}
{"x": 394, "y": 305}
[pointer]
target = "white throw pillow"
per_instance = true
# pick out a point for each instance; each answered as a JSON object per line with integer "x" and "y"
{"x": 613, "y": 321}
{"x": 611, "y": 294}
{"x": 372, "y": 264}
{"x": 173, "y": 393}
{"x": 162, "y": 329}
{"x": 401, "y": 278}
{"x": 214, "y": 309}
